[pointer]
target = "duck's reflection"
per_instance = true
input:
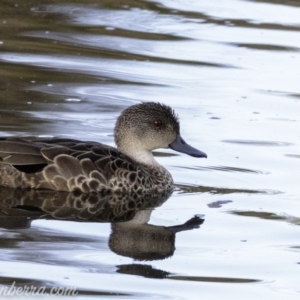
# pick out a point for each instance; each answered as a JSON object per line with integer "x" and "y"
{"x": 131, "y": 234}
{"x": 143, "y": 241}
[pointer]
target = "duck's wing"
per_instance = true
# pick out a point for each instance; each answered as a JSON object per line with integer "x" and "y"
{"x": 23, "y": 154}
{"x": 106, "y": 159}
{"x": 28, "y": 155}
{"x": 65, "y": 165}
{"x": 89, "y": 168}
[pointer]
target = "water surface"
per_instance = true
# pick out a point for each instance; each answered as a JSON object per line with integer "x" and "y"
{"x": 231, "y": 71}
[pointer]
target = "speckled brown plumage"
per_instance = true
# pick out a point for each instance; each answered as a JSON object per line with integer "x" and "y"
{"x": 71, "y": 165}
{"x": 90, "y": 167}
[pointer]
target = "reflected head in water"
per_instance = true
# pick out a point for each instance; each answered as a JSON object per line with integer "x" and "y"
{"x": 90, "y": 167}
{"x": 146, "y": 242}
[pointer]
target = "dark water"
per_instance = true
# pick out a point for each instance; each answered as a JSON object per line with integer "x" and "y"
{"x": 231, "y": 71}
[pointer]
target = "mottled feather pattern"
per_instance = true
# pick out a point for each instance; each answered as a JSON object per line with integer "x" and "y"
{"x": 71, "y": 165}
{"x": 89, "y": 167}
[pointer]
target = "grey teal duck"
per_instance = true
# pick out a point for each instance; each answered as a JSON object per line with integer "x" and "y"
{"x": 90, "y": 167}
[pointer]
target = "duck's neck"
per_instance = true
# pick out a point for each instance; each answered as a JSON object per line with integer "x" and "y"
{"x": 142, "y": 156}
{"x": 145, "y": 157}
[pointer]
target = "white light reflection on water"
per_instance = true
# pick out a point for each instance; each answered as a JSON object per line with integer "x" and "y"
{"x": 230, "y": 71}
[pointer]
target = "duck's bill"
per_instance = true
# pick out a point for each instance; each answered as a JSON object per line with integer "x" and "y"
{"x": 181, "y": 146}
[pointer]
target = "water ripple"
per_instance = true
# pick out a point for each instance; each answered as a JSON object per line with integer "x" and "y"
{"x": 293, "y": 155}
{"x": 214, "y": 279}
{"x": 268, "y": 216}
{"x": 226, "y": 169}
{"x": 258, "y": 143}
{"x": 185, "y": 188}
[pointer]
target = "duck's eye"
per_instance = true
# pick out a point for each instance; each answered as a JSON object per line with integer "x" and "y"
{"x": 157, "y": 123}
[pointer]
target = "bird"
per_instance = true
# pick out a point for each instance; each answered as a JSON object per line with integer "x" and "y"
{"x": 76, "y": 166}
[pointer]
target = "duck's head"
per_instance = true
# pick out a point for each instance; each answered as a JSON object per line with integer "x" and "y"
{"x": 144, "y": 127}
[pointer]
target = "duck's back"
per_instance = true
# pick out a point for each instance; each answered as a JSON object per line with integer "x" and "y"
{"x": 72, "y": 165}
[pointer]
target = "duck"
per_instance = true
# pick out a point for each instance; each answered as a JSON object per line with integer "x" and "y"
{"x": 76, "y": 166}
